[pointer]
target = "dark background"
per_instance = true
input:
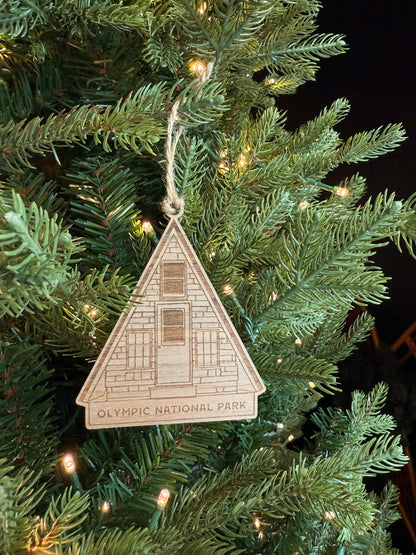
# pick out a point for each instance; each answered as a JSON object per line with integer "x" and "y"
{"x": 377, "y": 76}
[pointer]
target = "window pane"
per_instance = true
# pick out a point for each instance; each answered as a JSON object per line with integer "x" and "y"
{"x": 173, "y": 279}
{"x": 173, "y": 326}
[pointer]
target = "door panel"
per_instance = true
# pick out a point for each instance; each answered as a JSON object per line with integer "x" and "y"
{"x": 174, "y": 346}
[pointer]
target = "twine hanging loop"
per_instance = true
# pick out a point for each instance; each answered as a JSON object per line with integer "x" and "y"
{"x": 173, "y": 205}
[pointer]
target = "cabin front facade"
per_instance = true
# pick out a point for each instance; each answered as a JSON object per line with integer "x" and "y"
{"x": 177, "y": 345}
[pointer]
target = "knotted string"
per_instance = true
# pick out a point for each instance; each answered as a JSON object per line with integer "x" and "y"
{"x": 173, "y": 205}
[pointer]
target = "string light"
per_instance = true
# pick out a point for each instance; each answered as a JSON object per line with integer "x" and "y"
{"x": 212, "y": 255}
{"x": 280, "y": 425}
{"x": 298, "y": 341}
{"x": 147, "y": 227}
{"x": 202, "y": 8}
{"x": 257, "y": 525}
{"x": 228, "y": 290}
{"x": 304, "y": 205}
{"x": 91, "y": 311}
{"x": 329, "y": 515}
{"x": 273, "y": 296}
{"x": 105, "y": 507}
{"x": 291, "y": 437}
{"x": 279, "y": 361}
{"x": 198, "y": 67}
{"x": 271, "y": 81}
{"x": 70, "y": 468}
{"x": 312, "y": 384}
{"x": 150, "y": 232}
{"x": 242, "y": 161}
{"x": 341, "y": 192}
{"x": 160, "y": 507}
{"x": 163, "y": 498}
{"x": 69, "y": 464}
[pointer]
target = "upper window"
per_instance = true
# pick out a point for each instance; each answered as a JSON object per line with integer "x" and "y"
{"x": 173, "y": 279}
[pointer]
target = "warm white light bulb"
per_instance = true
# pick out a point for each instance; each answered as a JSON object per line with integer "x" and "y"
{"x": 329, "y": 515}
{"x": 105, "y": 507}
{"x": 242, "y": 161}
{"x": 304, "y": 205}
{"x": 147, "y": 227}
{"x": 279, "y": 361}
{"x": 202, "y": 8}
{"x": 163, "y": 498}
{"x": 291, "y": 437}
{"x": 312, "y": 384}
{"x": 198, "y": 67}
{"x": 256, "y": 523}
{"x": 341, "y": 192}
{"x": 280, "y": 425}
{"x": 228, "y": 290}
{"x": 69, "y": 464}
{"x": 298, "y": 341}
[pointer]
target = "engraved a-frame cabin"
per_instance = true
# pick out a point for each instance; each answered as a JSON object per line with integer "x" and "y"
{"x": 176, "y": 356}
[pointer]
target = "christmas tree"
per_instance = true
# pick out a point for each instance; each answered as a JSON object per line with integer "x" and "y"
{"x": 104, "y": 106}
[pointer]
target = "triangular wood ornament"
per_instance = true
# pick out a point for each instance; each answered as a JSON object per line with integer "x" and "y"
{"x": 176, "y": 356}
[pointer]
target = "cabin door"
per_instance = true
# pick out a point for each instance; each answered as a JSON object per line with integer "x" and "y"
{"x": 174, "y": 345}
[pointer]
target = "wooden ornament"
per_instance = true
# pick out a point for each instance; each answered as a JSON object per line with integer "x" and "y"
{"x": 175, "y": 357}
